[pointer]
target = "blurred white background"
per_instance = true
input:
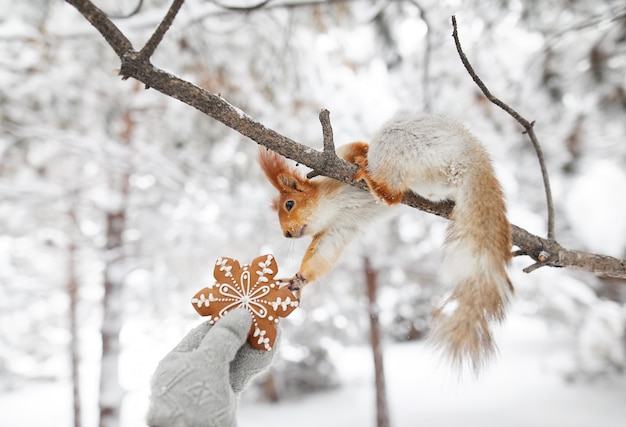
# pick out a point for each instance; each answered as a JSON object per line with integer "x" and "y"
{"x": 115, "y": 202}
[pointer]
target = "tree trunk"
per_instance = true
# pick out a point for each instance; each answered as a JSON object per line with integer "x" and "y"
{"x": 382, "y": 410}
{"x": 111, "y": 393}
{"x": 72, "y": 291}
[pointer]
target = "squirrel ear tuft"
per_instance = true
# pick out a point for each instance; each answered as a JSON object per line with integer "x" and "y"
{"x": 279, "y": 173}
{"x": 292, "y": 181}
{"x": 273, "y": 165}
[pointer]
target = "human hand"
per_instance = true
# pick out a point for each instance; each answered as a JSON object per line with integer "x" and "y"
{"x": 197, "y": 383}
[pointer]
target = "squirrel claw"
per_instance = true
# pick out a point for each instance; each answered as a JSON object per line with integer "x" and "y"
{"x": 294, "y": 284}
{"x": 361, "y": 172}
{"x": 359, "y": 175}
{"x": 361, "y": 162}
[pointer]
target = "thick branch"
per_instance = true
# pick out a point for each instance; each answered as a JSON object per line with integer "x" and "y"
{"x": 551, "y": 254}
{"x": 544, "y": 251}
{"x": 212, "y": 105}
{"x": 222, "y": 111}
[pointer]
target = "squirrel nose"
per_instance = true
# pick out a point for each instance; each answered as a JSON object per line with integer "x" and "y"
{"x": 288, "y": 234}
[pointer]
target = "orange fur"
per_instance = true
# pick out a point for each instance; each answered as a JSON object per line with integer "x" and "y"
{"x": 437, "y": 159}
{"x": 293, "y": 187}
{"x": 354, "y": 152}
{"x": 378, "y": 188}
{"x": 322, "y": 208}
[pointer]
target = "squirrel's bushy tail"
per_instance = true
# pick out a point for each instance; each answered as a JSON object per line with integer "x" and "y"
{"x": 477, "y": 250}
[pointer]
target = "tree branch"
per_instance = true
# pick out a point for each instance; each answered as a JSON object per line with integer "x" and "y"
{"x": 327, "y": 131}
{"x": 328, "y": 142}
{"x": 528, "y": 126}
{"x": 544, "y": 251}
{"x": 147, "y": 51}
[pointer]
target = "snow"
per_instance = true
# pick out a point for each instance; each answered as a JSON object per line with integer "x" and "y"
{"x": 522, "y": 388}
{"x": 601, "y": 335}
{"x": 197, "y": 194}
{"x": 52, "y": 405}
{"x": 597, "y": 199}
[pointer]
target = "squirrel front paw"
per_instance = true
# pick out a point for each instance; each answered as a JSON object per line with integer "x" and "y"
{"x": 295, "y": 283}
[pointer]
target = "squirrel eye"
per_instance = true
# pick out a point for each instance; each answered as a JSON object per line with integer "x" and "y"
{"x": 289, "y": 204}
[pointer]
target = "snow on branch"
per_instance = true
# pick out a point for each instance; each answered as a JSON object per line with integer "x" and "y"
{"x": 546, "y": 252}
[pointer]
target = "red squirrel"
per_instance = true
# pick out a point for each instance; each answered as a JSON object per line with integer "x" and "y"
{"x": 437, "y": 159}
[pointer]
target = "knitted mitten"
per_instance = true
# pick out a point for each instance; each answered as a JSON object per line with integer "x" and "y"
{"x": 197, "y": 383}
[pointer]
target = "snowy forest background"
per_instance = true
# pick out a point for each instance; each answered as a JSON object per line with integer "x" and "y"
{"x": 115, "y": 201}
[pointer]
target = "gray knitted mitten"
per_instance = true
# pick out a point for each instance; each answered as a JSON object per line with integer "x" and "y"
{"x": 197, "y": 383}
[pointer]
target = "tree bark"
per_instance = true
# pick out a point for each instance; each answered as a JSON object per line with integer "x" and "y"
{"x": 72, "y": 291}
{"x": 111, "y": 393}
{"x": 382, "y": 409}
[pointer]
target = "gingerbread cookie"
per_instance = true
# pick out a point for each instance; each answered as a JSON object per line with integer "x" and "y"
{"x": 252, "y": 287}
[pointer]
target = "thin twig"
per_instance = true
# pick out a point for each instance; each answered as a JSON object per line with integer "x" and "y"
{"x": 147, "y": 51}
{"x": 327, "y": 131}
{"x": 527, "y": 125}
{"x": 327, "y": 139}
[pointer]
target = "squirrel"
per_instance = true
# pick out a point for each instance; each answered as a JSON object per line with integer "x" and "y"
{"x": 438, "y": 159}
{"x": 332, "y": 212}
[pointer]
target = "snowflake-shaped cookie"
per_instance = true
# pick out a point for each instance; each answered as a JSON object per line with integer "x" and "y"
{"x": 252, "y": 287}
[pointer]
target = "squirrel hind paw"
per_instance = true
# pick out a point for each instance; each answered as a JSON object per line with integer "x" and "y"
{"x": 381, "y": 191}
{"x": 360, "y": 175}
{"x": 360, "y": 161}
